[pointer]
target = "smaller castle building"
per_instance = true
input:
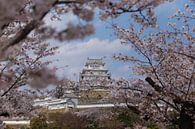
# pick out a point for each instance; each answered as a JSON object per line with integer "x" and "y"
{"x": 54, "y": 103}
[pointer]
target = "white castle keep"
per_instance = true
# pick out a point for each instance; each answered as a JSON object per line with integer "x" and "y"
{"x": 94, "y": 75}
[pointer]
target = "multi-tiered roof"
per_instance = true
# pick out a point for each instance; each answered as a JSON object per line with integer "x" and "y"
{"x": 94, "y": 74}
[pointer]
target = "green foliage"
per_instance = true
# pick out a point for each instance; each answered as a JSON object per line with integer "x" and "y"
{"x": 16, "y": 127}
{"x": 39, "y": 122}
{"x": 8, "y": 127}
{"x": 128, "y": 118}
{"x": 24, "y": 127}
{"x": 103, "y": 119}
{"x": 67, "y": 120}
{"x": 151, "y": 125}
{"x": 172, "y": 126}
{"x": 59, "y": 120}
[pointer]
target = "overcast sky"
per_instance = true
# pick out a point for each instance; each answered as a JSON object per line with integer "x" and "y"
{"x": 72, "y": 56}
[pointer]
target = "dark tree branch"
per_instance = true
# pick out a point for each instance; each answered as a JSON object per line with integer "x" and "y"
{"x": 68, "y": 2}
{"x": 170, "y": 104}
{"x": 186, "y": 55}
{"x": 129, "y": 10}
{"x": 153, "y": 84}
{"x": 14, "y": 84}
{"x": 22, "y": 34}
{"x": 19, "y": 77}
{"x": 139, "y": 10}
{"x": 2, "y": 70}
{"x": 144, "y": 17}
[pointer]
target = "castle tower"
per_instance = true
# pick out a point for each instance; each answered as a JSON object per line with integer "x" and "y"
{"x": 94, "y": 74}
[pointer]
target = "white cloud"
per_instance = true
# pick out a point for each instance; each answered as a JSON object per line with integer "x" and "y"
{"x": 75, "y": 54}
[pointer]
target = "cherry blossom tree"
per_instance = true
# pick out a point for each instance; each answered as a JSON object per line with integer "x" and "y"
{"x": 23, "y": 29}
{"x": 166, "y": 59}
{"x": 17, "y": 104}
{"x": 22, "y": 68}
{"x": 20, "y": 18}
{"x": 24, "y": 34}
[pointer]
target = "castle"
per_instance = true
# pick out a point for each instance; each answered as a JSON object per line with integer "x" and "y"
{"x": 94, "y": 75}
{"x": 94, "y": 78}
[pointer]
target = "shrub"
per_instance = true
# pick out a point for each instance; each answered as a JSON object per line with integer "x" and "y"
{"x": 128, "y": 118}
{"x": 67, "y": 120}
{"x": 39, "y": 122}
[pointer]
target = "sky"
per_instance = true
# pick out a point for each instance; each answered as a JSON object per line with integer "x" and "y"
{"x": 71, "y": 56}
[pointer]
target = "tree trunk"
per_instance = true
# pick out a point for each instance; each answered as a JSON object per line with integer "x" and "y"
{"x": 185, "y": 121}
